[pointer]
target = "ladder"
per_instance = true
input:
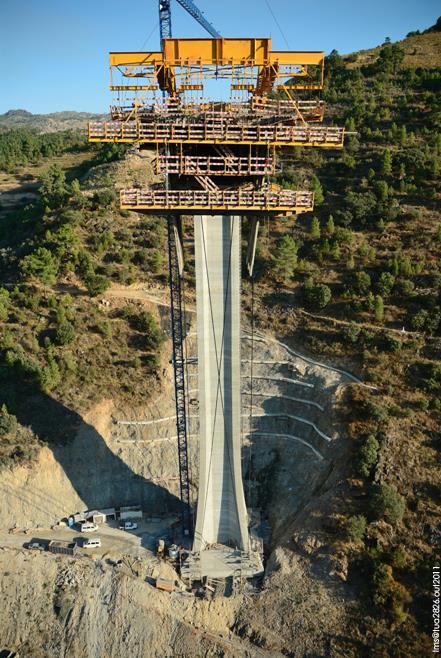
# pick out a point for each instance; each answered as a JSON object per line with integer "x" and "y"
{"x": 179, "y": 370}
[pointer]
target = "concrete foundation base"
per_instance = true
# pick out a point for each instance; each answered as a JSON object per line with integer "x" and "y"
{"x": 221, "y": 562}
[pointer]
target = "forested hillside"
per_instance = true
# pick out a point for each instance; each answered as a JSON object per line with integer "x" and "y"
{"x": 361, "y": 282}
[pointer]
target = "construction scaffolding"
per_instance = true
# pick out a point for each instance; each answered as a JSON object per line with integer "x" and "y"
{"x": 219, "y": 160}
{"x": 203, "y": 144}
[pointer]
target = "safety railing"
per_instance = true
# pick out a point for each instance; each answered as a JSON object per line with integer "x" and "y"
{"x": 214, "y": 165}
{"x": 216, "y": 132}
{"x": 267, "y": 200}
{"x": 251, "y": 111}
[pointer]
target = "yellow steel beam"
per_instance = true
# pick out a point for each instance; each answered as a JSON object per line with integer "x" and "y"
{"x": 133, "y": 87}
{"x": 132, "y": 140}
{"x": 135, "y": 59}
{"x": 217, "y": 52}
{"x": 294, "y": 210}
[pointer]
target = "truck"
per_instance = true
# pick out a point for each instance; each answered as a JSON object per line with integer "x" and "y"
{"x": 63, "y": 547}
{"x": 128, "y": 525}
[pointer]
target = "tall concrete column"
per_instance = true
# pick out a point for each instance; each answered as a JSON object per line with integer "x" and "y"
{"x": 221, "y": 511}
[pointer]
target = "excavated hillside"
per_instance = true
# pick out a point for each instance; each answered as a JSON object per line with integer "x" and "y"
{"x": 293, "y": 465}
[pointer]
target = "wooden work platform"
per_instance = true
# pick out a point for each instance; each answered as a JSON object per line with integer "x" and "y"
{"x": 216, "y": 133}
{"x": 230, "y": 201}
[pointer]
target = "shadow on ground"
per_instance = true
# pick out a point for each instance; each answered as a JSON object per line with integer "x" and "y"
{"x": 98, "y": 475}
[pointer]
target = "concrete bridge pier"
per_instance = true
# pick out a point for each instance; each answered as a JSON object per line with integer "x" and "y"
{"x": 221, "y": 511}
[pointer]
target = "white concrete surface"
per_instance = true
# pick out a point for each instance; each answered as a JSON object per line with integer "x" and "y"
{"x": 221, "y": 512}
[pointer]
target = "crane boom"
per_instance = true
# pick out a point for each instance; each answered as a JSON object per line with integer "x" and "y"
{"x": 199, "y": 16}
{"x": 165, "y": 26}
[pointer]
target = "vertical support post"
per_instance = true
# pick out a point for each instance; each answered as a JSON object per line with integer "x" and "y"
{"x": 175, "y": 272}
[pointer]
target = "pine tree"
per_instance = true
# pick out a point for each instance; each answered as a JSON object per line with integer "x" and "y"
{"x": 315, "y": 228}
{"x": 335, "y": 251}
{"x": 379, "y": 308}
{"x": 350, "y": 262}
{"x": 317, "y": 188}
{"x": 285, "y": 257}
{"x": 386, "y": 163}
{"x": 330, "y": 226}
{"x": 403, "y": 135}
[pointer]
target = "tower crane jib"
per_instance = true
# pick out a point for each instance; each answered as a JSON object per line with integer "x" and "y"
{"x": 165, "y": 25}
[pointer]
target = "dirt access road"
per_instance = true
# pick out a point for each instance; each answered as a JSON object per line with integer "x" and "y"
{"x": 114, "y": 542}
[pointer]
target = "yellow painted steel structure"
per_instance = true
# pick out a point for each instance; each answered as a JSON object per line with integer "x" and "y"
{"x": 254, "y": 58}
{"x": 210, "y": 142}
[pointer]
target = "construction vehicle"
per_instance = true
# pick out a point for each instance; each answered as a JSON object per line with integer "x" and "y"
{"x": 160, "y": 548}
{"x": 128, "y": 525}
{"x": 63, "y": 547}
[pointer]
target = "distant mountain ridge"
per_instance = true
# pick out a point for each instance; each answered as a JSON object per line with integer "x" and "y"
{"x": 46, "y": 123}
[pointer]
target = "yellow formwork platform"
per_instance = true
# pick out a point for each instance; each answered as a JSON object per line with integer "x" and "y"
{"x": 161, "y": 133}
{"x": 230, "y": 201}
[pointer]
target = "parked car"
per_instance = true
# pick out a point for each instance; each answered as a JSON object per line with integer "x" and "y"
{"x": 88, "y": 527}
{"x": 128, "y": 525}
{"x": 94, "y": 542}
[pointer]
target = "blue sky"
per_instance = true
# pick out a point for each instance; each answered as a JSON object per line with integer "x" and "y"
{"x": 54, "y": 52}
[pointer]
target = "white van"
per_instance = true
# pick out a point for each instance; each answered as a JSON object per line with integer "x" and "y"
{"x": 88, "y": 527}
{"x": 92, "y": 543}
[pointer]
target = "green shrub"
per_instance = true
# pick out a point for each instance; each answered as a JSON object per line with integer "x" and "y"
{"x": 385, "y": 283}
{"x": 50, "y": 376}
{"x": 96, "y": 284}
{"x": 315, "y": 230}
{"x": 104, "y": 198}
{"x": 8, "y": 422}
{"x": 379, "y": 308}
{"x": 42, "y": 265}
{"x": 144, "y": 322}
{"x": 376, "y": 410}
{"x": 351, "y": 332}
{"x": 318, "y": 296}
{"x": 105, "y": 328}
{"x": 391, "y": 344}
{"x": 356, "y": 528}
{"x": 65, "y": 333}
{"x": 368, "y": 455}
{"x": 387, "y": 504}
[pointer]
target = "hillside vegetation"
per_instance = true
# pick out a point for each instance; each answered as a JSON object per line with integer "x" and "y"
{"x": 362, "y": 285}
{"x": 420, "y": 49}
{"x": 357, "y": 282}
